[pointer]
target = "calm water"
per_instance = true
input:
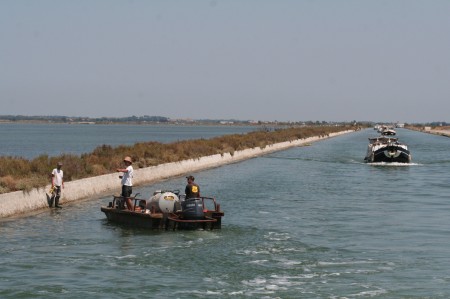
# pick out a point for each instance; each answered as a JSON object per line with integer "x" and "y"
{"x": 309, "y": 222}
{"x": 32, "y": 140}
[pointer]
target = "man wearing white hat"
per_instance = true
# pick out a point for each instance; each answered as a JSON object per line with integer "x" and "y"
{"x": 127, "y": 182}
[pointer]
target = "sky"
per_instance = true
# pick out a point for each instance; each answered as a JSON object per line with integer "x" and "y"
{"x": 277, "y": 60}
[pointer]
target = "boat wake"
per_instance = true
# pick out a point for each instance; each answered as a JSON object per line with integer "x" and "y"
{"x": 393, "y": 164}
{"x": 305, "y": 159}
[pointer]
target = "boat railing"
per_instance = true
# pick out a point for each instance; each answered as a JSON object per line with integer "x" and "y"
{"x": 119, "y": 201}
{"x": 216, "y": 206}
{"x": 207, "y": 202}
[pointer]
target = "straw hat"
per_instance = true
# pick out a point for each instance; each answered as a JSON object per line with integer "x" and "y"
{"x": 127, "y": 159}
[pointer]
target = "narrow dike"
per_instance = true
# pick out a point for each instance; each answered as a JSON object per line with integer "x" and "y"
{"x": 21, "y": 203}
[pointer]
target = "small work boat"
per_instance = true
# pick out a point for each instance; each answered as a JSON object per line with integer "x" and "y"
{"x": 166, "y": 210}
{"x": 387, "y": 149}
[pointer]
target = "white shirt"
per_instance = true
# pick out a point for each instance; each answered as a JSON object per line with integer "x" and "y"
{"x": 127, "y": 176}
{"x": 58, "y": 176}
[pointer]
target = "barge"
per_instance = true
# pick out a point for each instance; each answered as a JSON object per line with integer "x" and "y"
{"x": 387, "y": 149}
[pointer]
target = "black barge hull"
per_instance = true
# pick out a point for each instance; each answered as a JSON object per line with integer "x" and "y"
{"x": 392, "y": 154}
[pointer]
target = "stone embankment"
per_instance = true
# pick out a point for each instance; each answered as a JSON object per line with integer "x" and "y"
{"x": 445, "y": 133}
{"x": 22, "y": 203}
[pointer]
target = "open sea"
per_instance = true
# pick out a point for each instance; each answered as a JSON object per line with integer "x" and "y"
{"x": 308, "y": 222}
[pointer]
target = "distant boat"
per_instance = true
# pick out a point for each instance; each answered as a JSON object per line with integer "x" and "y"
{"x": 388, "y": 132}
{"x": 387, "y": 149}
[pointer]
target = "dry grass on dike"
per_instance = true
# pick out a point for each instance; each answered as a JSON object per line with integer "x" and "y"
{"x": 17, "y": 173}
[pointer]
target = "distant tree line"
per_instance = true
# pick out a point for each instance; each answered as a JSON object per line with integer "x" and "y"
{"x": 429, "y": 124}
{"x": 67, "y": 119}
{"x": 162, "y": 119}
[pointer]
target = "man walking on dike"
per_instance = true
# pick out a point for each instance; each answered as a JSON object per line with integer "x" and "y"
{"x": 192, "y": 190}
{"x": 57, "y": 184}
{"x": 127, "y": 182}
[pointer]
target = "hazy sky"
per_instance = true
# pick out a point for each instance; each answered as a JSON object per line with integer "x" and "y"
{"x": 235, "y": 59}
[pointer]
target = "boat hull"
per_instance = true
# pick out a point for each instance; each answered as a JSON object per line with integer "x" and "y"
{"x": 162, "y": 221}
{"x": 387, "y": 149}
{"x": 390, "y": 154}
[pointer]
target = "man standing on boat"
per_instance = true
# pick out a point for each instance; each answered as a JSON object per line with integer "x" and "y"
{"x": 57, "y": 184}
{"x": 127, "y": 182}
{"x": 192, "y": 189}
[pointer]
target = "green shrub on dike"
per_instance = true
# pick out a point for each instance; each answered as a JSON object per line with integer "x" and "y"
{"x": 22, "y": 174}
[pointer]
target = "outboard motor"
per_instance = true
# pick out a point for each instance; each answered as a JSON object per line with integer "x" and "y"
{"x": 192, "y": 209}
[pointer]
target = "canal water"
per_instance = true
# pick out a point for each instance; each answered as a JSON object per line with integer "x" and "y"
{"x": 308, "y": 222}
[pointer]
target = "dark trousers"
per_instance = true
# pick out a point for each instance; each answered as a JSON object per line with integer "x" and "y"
{"x": 55, "y": 196}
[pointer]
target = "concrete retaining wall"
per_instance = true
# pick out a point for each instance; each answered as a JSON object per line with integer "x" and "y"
{"x": 19, "y": 202}
{"x": 445, "y": 133}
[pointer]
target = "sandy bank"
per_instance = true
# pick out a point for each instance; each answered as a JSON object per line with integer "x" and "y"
{"x": 19, "y": 202}
{"x": 440, "y": 132}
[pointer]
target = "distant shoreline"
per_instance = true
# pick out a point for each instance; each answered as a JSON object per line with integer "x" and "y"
{"x": 445, "y": 133}
{"x": 163, "y": 120}
{"x": 139, "y": 123}
{"x": 46, "y": 122}
{"x": 441, "y": 132}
